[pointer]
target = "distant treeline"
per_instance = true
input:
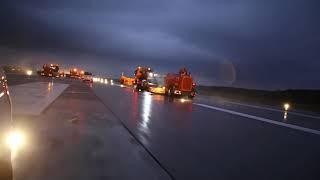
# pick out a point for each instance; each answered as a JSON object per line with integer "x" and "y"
{"x": 299, "y": 98}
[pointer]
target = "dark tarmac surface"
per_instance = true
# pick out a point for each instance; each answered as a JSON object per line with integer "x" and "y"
{"x": 76, "y": 137}
{"x": 299, "y": 118}
{"x": 111, "y": 132}
{"x": 193, "y": 142}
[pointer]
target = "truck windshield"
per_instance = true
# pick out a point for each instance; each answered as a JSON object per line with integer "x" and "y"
{"x": 157, "y": 80}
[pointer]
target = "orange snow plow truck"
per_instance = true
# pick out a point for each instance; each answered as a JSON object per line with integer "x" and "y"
{"x": 50, "y": 70}
{"x": 181, "y": 84}
{"x": 140, "y": 79}
{"x": 126, "y": 80}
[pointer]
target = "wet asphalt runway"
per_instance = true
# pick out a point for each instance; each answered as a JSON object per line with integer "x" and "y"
{"x": 72, "y": 136}
{"x": 191, "y": 141}
{"x": 195, "y": 142}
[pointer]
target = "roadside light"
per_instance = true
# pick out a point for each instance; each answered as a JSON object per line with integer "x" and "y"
{"x": 286, "y": 106}
{"x": 183, "y": 100}
{"x": 121, "y": 85}
{"x": 82, "y": 72}
{"x": 29, "y": 72}
{"x": 163, "y": 87}
{"x": 101, "y": 80}
{"x": 151, "y": 74}
{"x": 106, "y": 81}
{"x": 15, "y": 139}
{"x": 75, "y": 69}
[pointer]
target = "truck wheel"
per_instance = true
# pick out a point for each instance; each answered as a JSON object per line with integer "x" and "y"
{"x": 172, "y": 92}
{"x": 139, "y": 87}
{"x": 192, "y": 95}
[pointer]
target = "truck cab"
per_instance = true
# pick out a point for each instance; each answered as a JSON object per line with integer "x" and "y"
{"x": 181, "y": 84}
{"x": 50, "y": 70}
{"x": 142, "y": 75}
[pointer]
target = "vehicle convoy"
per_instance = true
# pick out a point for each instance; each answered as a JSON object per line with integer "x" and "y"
{"x": 76, "y": 73}
{"x": 5, "y": 129}
{"x": 50, "y": 70}
{"x": 181, "y": 84}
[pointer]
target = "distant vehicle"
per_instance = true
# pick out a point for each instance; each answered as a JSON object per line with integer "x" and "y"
{"x": 50, "y": 70}
{"x": 62, "y": 74}
{"x": 87, "y": 77}
{"x": 76, "y": 73}
{"x": 142, "y": 74}
{"x": 127, "y": 80}
{"x": 181, "y": 84}
{"x": 5, "y": 127}
{"x": 8, "y": 69}
{"x": 140, "y": 79}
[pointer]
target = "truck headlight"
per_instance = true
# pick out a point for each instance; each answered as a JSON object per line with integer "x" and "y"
{"x": 29, "y": 72}
{"x": 15, "y": 139}
{"x": 286, "y": 106}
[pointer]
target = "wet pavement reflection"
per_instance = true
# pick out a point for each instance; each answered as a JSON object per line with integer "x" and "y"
{"x": 146, "y": 111}
{"x": 198, "y": 143}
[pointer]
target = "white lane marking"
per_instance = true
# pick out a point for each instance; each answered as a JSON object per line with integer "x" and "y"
{"x": 272, "y": 109}
{"x": 33, "y": 98}
{"x": 312, "y": 131}
{"x": 114, "y": 84}
{"x": 1, "y": 94}
{"x": 76, "y": 92}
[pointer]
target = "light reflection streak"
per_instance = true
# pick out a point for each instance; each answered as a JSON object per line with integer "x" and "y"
{"x": 145, "y": 117}
{"x": 285, "y": 116}
{"x": 50, "y": 86}
{"x": 146, "y": 110}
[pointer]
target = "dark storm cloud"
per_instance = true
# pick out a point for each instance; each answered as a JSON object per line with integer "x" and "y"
{"x": 270, "y": 44}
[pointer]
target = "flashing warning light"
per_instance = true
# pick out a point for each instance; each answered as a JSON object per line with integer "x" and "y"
{"x": 29, "y": 72}
{"x": 286, "y": 106}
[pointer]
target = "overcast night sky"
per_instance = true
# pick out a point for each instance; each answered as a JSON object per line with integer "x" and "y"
{"x": 265, "y": 44}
